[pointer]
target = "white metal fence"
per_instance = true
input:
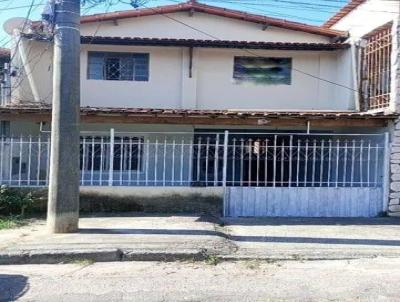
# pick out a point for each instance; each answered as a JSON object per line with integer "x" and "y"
{"x": 206, "y": 159}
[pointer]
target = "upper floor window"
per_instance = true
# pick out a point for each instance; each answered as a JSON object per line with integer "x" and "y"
{"x": 260, "y": 70}
{"x": 118, "y": 66}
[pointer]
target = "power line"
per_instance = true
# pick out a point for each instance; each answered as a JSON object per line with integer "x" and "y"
{"x": 18, "y": 7}
{"x": 266, "y": 12}
{"x": 23, "y": 28}
{"x": 248, "y": 51}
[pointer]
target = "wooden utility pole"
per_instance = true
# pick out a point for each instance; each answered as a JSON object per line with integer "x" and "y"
{"x": 63, "y": 206}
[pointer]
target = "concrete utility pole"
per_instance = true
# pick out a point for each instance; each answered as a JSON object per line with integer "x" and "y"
{"x": 63, "y": 206}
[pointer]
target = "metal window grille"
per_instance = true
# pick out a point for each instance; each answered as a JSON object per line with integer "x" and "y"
{"x": 118, "y": 66}
{"x": 205, "y": 159}
{"x": 376, "y": 70}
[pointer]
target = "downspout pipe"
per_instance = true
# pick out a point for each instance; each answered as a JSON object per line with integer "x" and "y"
{"x": 21, "y": 45}
{"x": 355, "y": 74}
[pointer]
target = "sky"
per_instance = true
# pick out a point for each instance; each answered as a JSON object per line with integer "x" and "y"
{"x": 306, "y": 11}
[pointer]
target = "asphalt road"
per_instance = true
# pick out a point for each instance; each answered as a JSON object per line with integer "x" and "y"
{"x": 340, "y": 280}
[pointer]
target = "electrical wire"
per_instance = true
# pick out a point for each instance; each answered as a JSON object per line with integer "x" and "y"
{"x": 284, "y": 4}
{"x": 23, "y": 28}
{"x": 40, "y": 55}
{"x": 248, "y": 51}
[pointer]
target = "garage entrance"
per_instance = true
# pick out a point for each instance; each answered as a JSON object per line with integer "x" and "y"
{"x": 313, "y": 175}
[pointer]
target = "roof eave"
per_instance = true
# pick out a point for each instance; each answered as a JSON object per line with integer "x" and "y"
{"x": 311, "y": 114}
{"x": 347, "y": 9}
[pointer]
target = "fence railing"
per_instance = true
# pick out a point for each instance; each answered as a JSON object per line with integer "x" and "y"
{"x": 205, "y": 159}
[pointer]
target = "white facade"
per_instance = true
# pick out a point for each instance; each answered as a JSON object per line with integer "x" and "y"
{"x": 335, "y": 160}
{"x": 212, "y": 86}
{"x": 369, "y": 16}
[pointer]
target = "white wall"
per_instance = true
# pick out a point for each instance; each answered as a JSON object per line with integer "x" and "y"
{"x": 212, "y": 85}
{"x": 39, "y": 68}
{"x": 217, "y": 89}
{"x": 371, "y": 15}
{"x": 214, "y": 26}
{"x": 163, "y": 90}
{"x": 368, "y": 16}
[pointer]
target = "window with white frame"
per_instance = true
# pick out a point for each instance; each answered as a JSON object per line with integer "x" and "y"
{"x": 118, "y": 66}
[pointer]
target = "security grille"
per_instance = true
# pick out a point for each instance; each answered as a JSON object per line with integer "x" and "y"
{"x": 118, "y": 66}
{"x": 205, "y": 159}
{"x": 376, "y": 68}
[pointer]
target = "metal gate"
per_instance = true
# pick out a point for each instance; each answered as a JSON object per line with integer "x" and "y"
{"x": 314, "y": 175}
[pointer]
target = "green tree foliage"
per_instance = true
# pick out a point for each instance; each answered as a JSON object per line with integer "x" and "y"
{"x": 14, "y": 201}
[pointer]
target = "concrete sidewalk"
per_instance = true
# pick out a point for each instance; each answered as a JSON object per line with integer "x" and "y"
{"x": 314, "y": 238}
{"x": 134, "y": 237}
{"x": 174, "y": 237}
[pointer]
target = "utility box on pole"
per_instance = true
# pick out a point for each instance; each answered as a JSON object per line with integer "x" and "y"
{"x": 63, "y": 205}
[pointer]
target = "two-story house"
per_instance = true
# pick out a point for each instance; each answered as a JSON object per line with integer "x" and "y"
{"x": 278, "y": 117}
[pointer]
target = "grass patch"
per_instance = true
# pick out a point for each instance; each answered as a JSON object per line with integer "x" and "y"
{"x": 212, "y": 260}
{"x": 252, "y": 264}
{"x": 11, "y": 222}
{"x": 83, "y": 262}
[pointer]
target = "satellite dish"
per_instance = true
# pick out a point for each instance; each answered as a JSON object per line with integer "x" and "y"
{"x": 16, "y": 23}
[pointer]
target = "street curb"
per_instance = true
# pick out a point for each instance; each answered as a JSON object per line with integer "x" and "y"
{"x": 58, "y": 256}
{"x": 117, "y": 255}
{"x": 103, "y": 255}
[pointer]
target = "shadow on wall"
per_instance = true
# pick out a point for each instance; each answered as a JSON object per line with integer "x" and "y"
{"x": 171, "y": 203}
{"x": 110, "y": 202}
{"x": 12, "y": 287}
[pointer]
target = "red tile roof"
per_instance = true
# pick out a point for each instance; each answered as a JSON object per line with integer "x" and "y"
{"x": 223, "y": 12}
{"x": 348, "y": 8}
{"x": 211, "y": 43}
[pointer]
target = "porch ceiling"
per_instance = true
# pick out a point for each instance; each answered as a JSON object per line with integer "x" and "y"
{"x": 208, "y": 117}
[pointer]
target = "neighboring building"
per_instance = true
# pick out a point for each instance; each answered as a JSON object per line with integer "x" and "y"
{"x": 4, "y": 57}
{"x": 192, "y": 95}
{"x": 4, "y": 91}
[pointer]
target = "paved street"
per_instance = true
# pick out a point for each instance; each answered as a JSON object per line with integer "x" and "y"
{"x": 341, "y": 280}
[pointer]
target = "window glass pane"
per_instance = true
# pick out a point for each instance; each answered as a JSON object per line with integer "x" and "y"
{"x": 265, "y": 71}
{"x": 126, "y": 69}
{"x": 128, "y": 155}
{"x": 95, "y": 65}
{"x": 4, "y": 128}
{"x": 112, "y": 68}
{"x": 141, "y": 67}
